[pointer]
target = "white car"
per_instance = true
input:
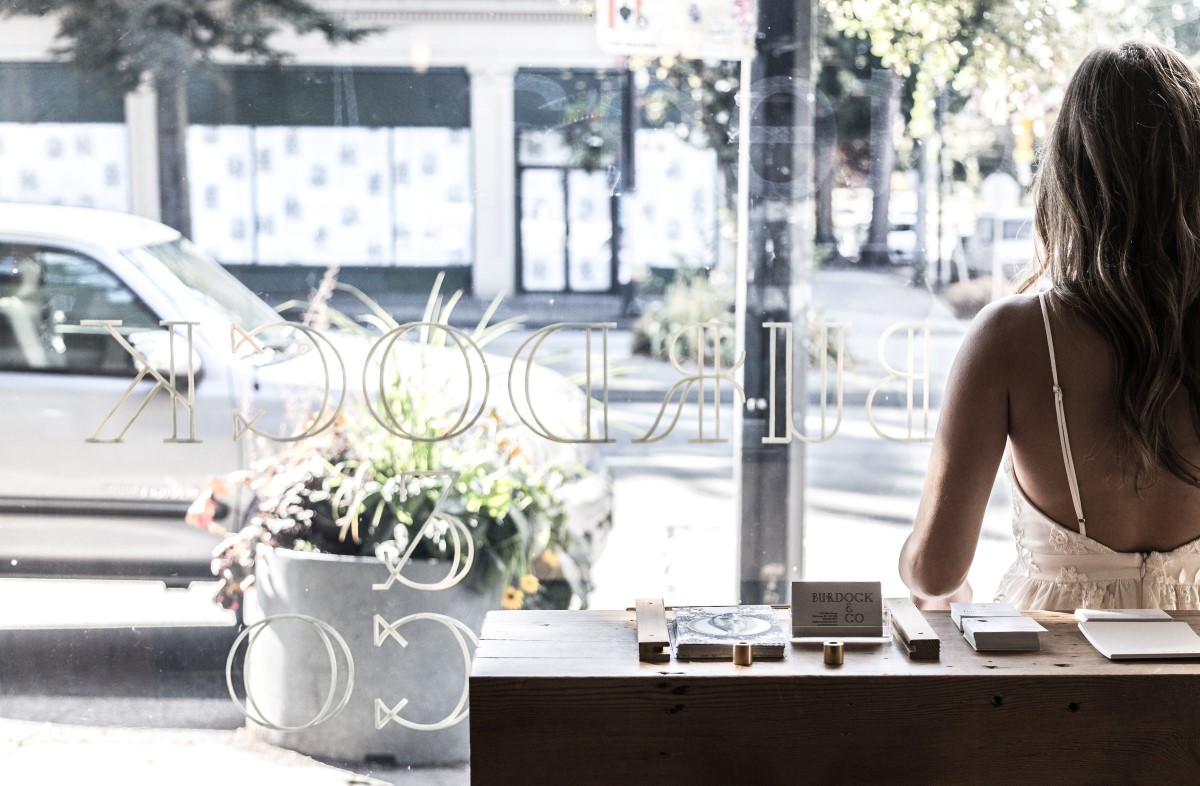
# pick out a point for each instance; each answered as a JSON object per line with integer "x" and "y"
{"x": 902, "y": 241}
{"x": 1001, "y": 246}
{"x": 97, "y": 468}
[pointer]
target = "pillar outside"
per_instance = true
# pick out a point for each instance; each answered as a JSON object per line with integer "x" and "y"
{"x": 141, "y": 107}
{"x": 494, "y": 171}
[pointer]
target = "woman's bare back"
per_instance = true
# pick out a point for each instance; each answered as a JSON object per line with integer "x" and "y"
{"x": 1167, "y": 514}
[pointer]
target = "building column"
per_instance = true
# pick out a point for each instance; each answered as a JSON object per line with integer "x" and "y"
{"x": 493, "y": 173}
{"x": 141, "y": 111}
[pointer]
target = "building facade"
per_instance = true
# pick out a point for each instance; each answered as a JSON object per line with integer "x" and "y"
{"x": 444, "y": 142}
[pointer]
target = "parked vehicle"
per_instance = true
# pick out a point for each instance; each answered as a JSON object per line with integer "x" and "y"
{"x": 902, "y": 241}
{"x": 1001, "y": 246}
{"x": 98, "y": 463}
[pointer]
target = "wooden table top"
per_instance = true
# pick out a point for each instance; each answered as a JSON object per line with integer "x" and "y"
{"x": 603, "y": 644}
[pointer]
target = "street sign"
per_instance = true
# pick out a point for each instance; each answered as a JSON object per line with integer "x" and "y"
{"x": 700, "y": 29}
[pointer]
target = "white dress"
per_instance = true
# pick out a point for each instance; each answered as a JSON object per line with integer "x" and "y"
{"x": 1058, "y": 569}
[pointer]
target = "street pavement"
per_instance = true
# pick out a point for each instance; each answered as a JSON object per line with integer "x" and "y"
{"x": 67, "y": 697}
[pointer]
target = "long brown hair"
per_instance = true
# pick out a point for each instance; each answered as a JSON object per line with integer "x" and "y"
{"x": 1117, "y": 214}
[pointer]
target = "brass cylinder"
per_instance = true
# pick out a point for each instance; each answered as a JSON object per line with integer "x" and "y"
{"x": 742, "y": 654}
{"x": 835, "y": 653}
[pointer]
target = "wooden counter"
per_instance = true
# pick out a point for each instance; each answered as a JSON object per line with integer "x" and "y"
{"x": 560, "y": 697}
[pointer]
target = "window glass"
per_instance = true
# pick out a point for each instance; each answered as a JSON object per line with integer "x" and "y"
{"x": 593, "y": 311}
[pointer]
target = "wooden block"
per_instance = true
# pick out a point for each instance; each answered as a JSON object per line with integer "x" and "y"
{"x": 654, "y": 643}
{"x": 913, "y": 631}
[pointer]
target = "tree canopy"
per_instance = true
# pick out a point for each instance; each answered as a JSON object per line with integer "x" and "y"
{"x": 126, "y": 39}
{"x": 960, "y": 43}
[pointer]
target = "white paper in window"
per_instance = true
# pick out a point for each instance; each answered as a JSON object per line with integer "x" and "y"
{"x": 432, "y": 197}
{"x": 220, "y": 177}
{"x": 79, "y": 164}
{"x": 543, "y": 231}
{"x": 322, "y": 196}
{"x": 673, "y": 216}
{"x": 590, "y": 258}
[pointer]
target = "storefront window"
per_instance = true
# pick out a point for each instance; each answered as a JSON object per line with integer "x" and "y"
{"x": 588, "y": 302}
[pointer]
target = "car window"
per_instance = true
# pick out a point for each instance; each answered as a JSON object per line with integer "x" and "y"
{"x": 44, "y": 295}
{"x": 206, "y": 280}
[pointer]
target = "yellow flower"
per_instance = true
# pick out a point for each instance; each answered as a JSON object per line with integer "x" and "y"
{"x": 529, "y": 584}
{"x": 550, "y": 559}
{"x": 513, "y": 598}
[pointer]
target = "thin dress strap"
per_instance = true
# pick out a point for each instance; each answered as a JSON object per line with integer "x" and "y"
{"x": 1063, "y": 440}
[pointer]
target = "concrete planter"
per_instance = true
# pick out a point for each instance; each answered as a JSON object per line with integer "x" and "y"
{"x": 288, "y": 668}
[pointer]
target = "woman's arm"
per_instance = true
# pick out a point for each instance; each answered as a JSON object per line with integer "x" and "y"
{"x": 967, "y": 449}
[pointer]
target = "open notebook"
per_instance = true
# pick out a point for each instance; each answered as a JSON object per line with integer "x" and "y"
{"x": 1142, "y": 639}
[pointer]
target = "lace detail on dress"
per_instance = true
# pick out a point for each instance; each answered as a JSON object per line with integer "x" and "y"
{"x": 1016, "y": 498}
{"x": 1192, "y": 547}
{"x": 1172, "y": 595}
{"x": 1063, "y": 542}
{"x": 1088, "y": 594}
{"x": 1024, "y": 555}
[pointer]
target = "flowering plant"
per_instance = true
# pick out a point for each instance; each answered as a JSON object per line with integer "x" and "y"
{"x": 488, "y": 499}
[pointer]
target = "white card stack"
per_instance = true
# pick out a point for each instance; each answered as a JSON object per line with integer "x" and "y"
{"x": 992, "y": 627}
{"x": 989, "y": 634}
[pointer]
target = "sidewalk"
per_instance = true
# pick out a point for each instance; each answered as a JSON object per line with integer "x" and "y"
{"x": 123, "y": 682}
{"x": 52, "y": 753}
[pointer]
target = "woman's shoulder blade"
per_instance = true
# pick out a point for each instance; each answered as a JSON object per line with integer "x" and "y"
{"x": 1010, "y": 311}
{"x": 1005, "y": 327}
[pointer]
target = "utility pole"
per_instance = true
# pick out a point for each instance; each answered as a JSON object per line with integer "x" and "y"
{"x": 779, "y": 234}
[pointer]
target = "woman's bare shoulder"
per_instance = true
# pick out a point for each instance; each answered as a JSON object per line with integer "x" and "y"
{"x": 1014, "y": 312}
{"x": 1003, "y": 331}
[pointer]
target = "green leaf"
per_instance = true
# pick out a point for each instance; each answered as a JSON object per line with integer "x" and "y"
{"x": 488, "y": 313}
{"x": 431, "y": 306}
{"x": 379, "y": 311}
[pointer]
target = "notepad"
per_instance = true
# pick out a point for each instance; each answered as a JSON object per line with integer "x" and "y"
{"x": 1128, "y": 640}
{"x": 1122, "y": 615}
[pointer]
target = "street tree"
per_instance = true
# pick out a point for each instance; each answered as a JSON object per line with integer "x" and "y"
{"x": 128, "y": 43}
{"x": 698, "y": 100}
{"x": 961, "y": 44}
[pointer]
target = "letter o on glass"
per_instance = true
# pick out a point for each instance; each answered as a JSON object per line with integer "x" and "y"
{"x": 320, "y": 423}
{"x": 388, "y": 418}
{"x": 328, "y": 635}
{"x": 461, "y": 632}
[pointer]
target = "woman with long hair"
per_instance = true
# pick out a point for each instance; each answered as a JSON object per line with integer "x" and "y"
{"x": 1094, "y": 384}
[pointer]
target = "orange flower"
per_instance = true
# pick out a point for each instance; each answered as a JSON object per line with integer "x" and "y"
{"x": 551, "y": 560}
{"x": 529, "y": 584}
{"x": 201, "y": 513}
{"x": 513, "y": 598}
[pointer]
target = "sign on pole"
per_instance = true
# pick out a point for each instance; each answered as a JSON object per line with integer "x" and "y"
{"x": 699, "y": 29}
